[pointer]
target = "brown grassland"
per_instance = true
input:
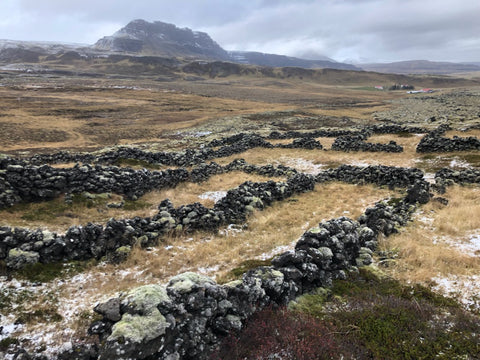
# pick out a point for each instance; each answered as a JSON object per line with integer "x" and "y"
{"x": 41, "y": 114}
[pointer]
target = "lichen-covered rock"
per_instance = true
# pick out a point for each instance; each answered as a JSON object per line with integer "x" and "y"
{"x": 186, "y": 282}
{"x": 364, "y": 257}
{"x": 18, "y": 258}
{"x": 138, "y": 334}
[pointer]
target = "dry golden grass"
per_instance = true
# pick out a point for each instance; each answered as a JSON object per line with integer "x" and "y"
{"x": 427, "y": 248}
{"x": 472, "y": 132}
{"x": 187, "y": 193}
{"x": 278, "y": 225}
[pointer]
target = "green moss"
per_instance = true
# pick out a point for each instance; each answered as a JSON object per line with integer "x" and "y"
{"x": 46, "y": 211}
{"x": 145, "y": 299}
{"x": 377, "y": 317}
{"x": 313, "y": 303}
{"x": 5, "y": 343}
{"x": 39, "y": 315}
{"x": 184, "y": 283}
{"x": 132, "y": 205}
{"x": 11, "y": 297}
{"x": 138, "y": 329}
{"x": 47, "y": 272}
{"x": 405, "y": 134}
{"x": 371, "y": 282}
{"x": 135, "y": 163}
{"x": 242, "y": 268}
{"x": 394, "y": 201}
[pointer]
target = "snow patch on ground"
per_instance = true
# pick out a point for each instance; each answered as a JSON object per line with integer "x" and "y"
{"x": 429, "y": 177}
{"x": 277, "y": 251}
{"x": 231, "y": 230}
{"x": 466, "y": 289}
{"x": 213, "y": 195}
{"x": 457, "y": 163}
{"x": 303, "y": 165}
{"x": 469, "y": 246}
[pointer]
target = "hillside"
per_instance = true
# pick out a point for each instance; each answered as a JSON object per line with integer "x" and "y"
{"x": 421, "y": 67}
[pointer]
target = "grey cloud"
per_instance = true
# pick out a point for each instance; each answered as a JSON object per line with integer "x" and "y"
{"x": 343, "y": 29}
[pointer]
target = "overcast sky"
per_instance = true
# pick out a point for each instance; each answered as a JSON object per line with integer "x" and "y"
{"x": 345, "y": 30}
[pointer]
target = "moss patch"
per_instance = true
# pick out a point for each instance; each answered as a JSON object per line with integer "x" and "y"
{"x": 241, "y": 269}
{"x": 47, "y": 272}
{"x": 135, "y": 163}
{"x": 377, "y": 317}
{"x": 38, "y": 315}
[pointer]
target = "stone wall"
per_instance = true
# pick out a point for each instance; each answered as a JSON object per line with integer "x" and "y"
{"x": 434, "y": 141}
{"x": 20, "y": 247}
{"x": 188, "y": 317}
{"x": 357, "y": 143}
{"x": 215, "y": 149}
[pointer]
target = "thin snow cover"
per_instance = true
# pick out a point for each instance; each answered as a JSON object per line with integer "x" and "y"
{"x": 465, "y": 288}
{"x": 470, "y": 247}
{"x": 424, "y": 219}
{"x": 8, "y": 326}
{"x": 457, "y": 163}
{"x": 429, "y": 177}
{"x": 362, "y": 163}
{"x": 303, "y": 165}
{"x": 209, "y": 271}
{"x": 127, "y": 87}
{"x": 277, "y": 251}
{"x": 231, "y": 230}
{"x": 213, "y": 195}
{"x": 195, "y": 134}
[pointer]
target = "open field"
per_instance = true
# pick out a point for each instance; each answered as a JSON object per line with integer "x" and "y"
{"x": 43, "y": 115}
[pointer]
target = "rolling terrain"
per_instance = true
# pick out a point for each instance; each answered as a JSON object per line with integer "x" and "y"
{"x": 148, "y": 117}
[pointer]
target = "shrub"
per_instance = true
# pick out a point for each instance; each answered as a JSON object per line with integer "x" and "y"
{"x": 280, "y": 334}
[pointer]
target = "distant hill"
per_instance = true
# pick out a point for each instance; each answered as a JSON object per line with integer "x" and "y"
{"x": 421, "y": 67}
{"x": 258, "y": 58}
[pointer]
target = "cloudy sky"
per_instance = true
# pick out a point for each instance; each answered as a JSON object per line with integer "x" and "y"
{"x": 345, "y": 30}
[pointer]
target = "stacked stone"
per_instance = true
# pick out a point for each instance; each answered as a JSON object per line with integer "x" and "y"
{"x": 396, "y": 129}
{"x": 308, "y": 143}
{"x": 376, "y": 174}
{"x": 357, "y": 143}
{"x": 20, "y": 247}
{"x": 189, "y": 316}
{"x": 276, "y": 135}
{"x": 36, "y": 183}
{"x": 446, "y": 177}
{"x": 435, "y": 142}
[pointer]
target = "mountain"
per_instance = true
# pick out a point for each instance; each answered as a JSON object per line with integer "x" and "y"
{"x": 420, "y": 67}
{"x": 258, "y": 58}
{"x": 161, "y": 39}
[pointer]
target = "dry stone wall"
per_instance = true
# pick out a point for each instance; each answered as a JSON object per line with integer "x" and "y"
{"x": 20, "y": 247}
{"x": 187, "y": 318}
{"x": 434, "y": 141}
{"x": 357, "y": 143}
